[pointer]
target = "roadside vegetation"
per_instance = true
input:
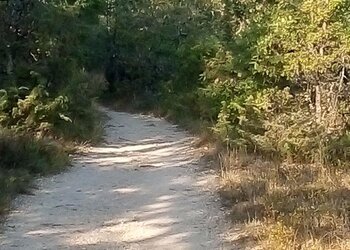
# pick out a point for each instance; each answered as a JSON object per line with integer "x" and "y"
{"x": 47, "y": 86}
{"x": 23, "y": 157}
{"x": 266, "y": 80}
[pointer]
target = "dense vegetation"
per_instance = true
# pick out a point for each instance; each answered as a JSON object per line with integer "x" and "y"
{"x": 264, "y": 78}
{"x": 45, "y": 86}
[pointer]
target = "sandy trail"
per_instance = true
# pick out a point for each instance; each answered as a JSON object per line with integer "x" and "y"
{"x": 144, "y": 188}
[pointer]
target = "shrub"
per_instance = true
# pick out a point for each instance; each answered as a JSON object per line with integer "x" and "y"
{"x": 32, "y": 111}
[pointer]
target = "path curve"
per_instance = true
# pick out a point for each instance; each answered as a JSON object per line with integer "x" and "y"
{"x": 144, "y": 188}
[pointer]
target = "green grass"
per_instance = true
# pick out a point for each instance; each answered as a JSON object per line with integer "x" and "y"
{"x": 24, "y": 157}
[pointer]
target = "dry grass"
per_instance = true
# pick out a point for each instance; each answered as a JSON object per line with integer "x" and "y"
{"x": 288, "y": 206}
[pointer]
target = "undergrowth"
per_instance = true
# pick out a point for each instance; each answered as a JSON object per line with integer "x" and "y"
{"x": 287, "y": 206}
{"x": 23, "y": 157}
{"x": 268, "y": 77}
{"x": 49, "y": 77}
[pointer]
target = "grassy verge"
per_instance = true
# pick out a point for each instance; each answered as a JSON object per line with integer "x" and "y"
{"x": 25, "y": 155}
{"x": 279, "y": 205}
{"x": 21, "y": 159}
{"x": 288, "y": 206}
{"x": 86, "y": 125}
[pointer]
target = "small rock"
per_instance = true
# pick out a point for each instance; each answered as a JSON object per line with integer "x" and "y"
{"x": 150, "y": 125}
{"x": 147, "y": 166}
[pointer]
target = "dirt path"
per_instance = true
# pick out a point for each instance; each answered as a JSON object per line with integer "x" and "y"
{"x": 143, "y": 189}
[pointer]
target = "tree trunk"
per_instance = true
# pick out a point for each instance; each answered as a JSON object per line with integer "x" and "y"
{"x": 318, "y": 104}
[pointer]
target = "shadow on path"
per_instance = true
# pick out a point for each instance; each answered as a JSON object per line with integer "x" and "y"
{"x": 139, "y": 190}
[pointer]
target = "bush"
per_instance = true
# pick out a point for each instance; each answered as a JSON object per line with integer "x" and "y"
{"x": 32, "y": 111}
{"x": 45, "y": 91}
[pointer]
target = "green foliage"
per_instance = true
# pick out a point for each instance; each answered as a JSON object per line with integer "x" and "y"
{"x": 269, "y": 77}
{"x": 32, "y": 111}
{"x": 46, "y": 87}
{"x": 265, "y": 77}
{"x": 50, "y": 56}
